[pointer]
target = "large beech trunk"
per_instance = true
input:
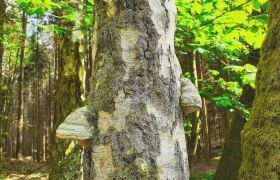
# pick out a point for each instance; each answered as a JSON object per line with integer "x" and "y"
{"x": 135, "y": 92}
{"x": 261, "y": 136}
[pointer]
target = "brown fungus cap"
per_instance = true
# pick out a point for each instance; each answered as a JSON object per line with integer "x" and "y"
{"x": 190, "y": 98}
{"x": 76, "y": 127}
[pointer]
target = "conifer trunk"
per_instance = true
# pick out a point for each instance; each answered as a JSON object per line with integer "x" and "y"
{"x": 19, "y": 147}
{"x": 135, "y": 92}
{"x": 2, "y": 15}
{"x": 261, "y": 136}
{"x": 2, "y": 122}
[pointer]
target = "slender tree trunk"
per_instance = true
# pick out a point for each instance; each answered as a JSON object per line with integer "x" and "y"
{"x": 2, "y": 20}
{"x": 88, "y": 62}
{"x": 204, "y": 118}
{"x": 30, "y": 127}
{"x": 260, "y": 139}
{"x": 2, "y": 122}
{"x": 206, "y": 132}
{"x": 196, "y": 122}
{"x": 34, "y": 115}
{"x": 135, "y": 92}
{"x": 8, "y": 103}
{"x": 21, "y": 90}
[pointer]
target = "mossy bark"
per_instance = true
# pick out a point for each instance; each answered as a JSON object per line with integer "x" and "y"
{"x": 231, "y": 156}
{"x": 261, "y": 135}
{"x": 68, "y": 98}
{"x": 135, "y": 92}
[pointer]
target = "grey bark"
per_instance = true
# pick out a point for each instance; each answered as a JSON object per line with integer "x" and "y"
{"x": 135, "y": 92}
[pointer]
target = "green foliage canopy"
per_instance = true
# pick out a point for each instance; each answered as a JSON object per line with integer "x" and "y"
{"x": 222, "y": 32}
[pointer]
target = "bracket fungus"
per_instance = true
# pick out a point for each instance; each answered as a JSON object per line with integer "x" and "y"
{"x": 190, "y": 98}
{"x": 76, "y": 127}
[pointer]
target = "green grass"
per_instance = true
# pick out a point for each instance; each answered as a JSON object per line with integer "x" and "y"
{"x": 203, "y": 176}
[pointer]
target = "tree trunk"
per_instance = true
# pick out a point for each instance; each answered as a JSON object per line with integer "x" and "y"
{"x": 2, "y": 19}
{"x": 2, "y": 122}
{"x": 231, "y": 156}
{"x": 21, "y": 90}
{"x": 204, "y": 118}
{"x": 193, "y": 144}
{"x": 135, "y": 92}
{"x": 232, "y": 146}
{"x": 68, "y": 98}
{"x": 261, "y": 135}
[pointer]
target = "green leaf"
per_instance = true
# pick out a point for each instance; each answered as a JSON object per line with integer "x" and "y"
{"x": 197, "y": 8}
{"x": 221, "y": 5}
{"x": 4, "y": 88}
{"x": 214, "y": 72}
{"x": 70, "y": 17}
{"x": 24, "y": 4}
{"x": 250, "y": 68}
{"x": 262, "y": 1}
{"x": 257, "y": 6}
{"x": 38, "y": 10}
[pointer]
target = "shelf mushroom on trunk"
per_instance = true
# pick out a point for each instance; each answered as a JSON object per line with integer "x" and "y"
{"x": 190, "y": 98}
{"x": 76, "y": 127}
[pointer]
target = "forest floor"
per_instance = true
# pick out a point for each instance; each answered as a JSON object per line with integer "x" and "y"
{"x": 199, "y": 170}
{"x": 22, "y": 170}
{"x": 26, "y": 170}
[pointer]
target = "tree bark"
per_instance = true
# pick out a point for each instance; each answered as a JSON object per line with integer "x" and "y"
{"x": 204, "y": 118}
{"x": 68, "y": 98}
{"x": 2, "y": 21}
{"x": 2, "y": 122}
{"x": 196, "y": 121}
{"x": 232, "y": 146}
{"x": 135, "y": 91}
{"x": 261, "y": 136}
{"x": 21, "y": 90}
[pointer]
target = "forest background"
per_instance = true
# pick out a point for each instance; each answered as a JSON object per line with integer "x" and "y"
{"x": 46, "y": 63}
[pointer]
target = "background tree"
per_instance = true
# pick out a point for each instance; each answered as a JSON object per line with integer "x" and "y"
{"x": 261, "y": 135}
{"x": 231, "y": 156}
{"x": 211, "y": 39}
{"x": 2, "y": 20}
{"x": 68, "y": 95}
{"x": 19, "y": 148}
